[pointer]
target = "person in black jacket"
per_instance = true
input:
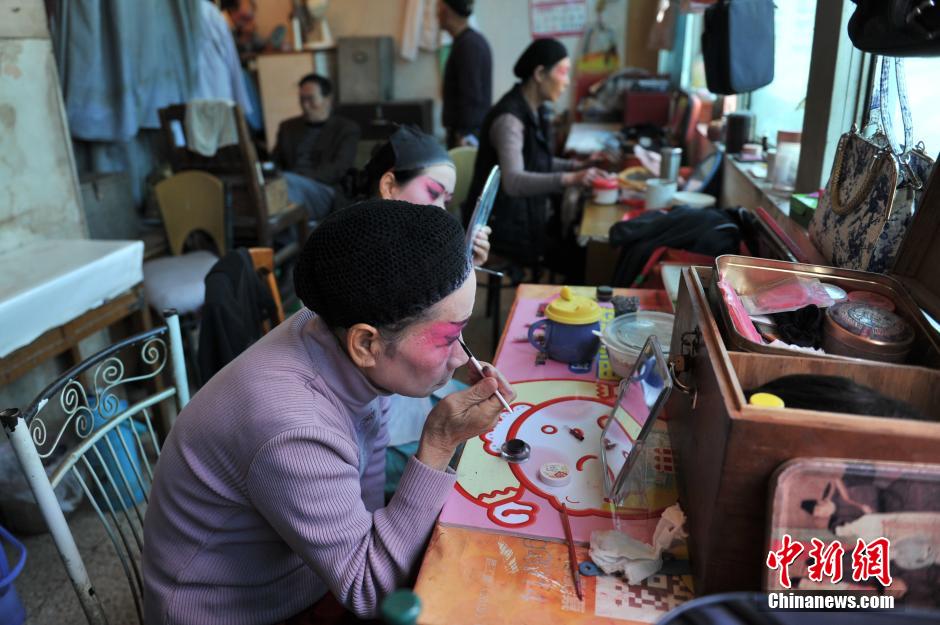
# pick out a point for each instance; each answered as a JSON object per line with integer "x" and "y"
{"x": 468, "y": 75}
{"x": 516, "y": 135}
{"x": 314, "y": 150}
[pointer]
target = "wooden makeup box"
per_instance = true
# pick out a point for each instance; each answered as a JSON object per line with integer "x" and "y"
{"x": 726, "y": 450}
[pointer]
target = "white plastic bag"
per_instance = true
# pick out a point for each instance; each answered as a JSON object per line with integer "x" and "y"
{"x": 16, "y": 499}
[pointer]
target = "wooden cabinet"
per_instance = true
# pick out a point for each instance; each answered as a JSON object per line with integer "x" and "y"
{"x": 726, "y": 450}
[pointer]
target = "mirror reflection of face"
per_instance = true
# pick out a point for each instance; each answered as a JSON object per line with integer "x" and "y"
{"x": 426, "y": 355}
{"x": 434, "y": 186}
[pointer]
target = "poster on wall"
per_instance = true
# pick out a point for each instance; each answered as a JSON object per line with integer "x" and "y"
{"x": 557, "y": 18}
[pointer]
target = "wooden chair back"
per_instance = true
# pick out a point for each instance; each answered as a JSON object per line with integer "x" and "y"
{"x": 262, "y": 258}
{"x": 192, "y": 201}
{"x": 237, "y": 166}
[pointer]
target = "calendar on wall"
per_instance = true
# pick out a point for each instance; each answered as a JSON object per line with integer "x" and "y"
{"x": 557, "y": 18}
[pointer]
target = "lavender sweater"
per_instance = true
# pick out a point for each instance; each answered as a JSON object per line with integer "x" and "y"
{"x": 268, "y": 491}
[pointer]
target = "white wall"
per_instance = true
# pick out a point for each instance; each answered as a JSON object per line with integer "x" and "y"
{"x": 505, "y": 24}
{"x": 39, "y": 194}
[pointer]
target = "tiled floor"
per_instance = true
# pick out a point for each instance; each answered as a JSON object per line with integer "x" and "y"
{"x": 43, "y": 585}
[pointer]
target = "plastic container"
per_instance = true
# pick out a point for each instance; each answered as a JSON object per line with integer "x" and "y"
{"x": 124, "y": 461}
{"x": 606, "y": 190}
{"x": 786, "y": 161}
{"x": 402, "y": 607}
{"x": 625, "y": 336}
{"x": 12, "y": 611}
{"x": 20, "y": 511}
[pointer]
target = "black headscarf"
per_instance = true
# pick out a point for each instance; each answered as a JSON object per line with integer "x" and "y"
{"x": 544, "y": 52}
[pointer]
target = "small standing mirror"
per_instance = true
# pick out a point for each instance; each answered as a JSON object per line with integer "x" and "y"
{"x": 481, "y": 213}
{"x": 640, "y": 399}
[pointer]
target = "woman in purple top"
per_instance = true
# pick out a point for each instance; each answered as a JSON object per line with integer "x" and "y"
{"x": 268, "y": 492}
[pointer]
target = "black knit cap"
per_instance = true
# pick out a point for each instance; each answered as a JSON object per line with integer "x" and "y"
{"x": 463, "y": 8}
{"x": 544, "y": 52}
{"x": 380, "y": 262}
{"x": 415, "y": 149}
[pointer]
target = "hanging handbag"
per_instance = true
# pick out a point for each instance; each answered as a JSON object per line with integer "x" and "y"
{"x": 738, "y": 45}
{"x": 873, "y": 188}
{"x": 896, "y": 27}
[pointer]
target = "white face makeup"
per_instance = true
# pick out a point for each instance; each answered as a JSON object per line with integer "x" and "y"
{"x": 556, "y": 80}
{"x": 426, "y": 355}
{"x": 434, "y": 186}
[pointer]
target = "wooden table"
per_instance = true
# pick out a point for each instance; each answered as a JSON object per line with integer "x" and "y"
{"x": 476, "y": 576}
{"x": 123, "y": 305}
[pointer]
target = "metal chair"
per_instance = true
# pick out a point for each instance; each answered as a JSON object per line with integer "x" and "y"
{"x": 101, "y": 414}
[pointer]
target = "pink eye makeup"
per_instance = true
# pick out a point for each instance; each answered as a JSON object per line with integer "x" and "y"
{"x": 444, "y": 334}
{"x": 425, "y": 190}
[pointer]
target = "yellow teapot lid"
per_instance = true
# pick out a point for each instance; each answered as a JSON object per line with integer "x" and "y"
{"x": 573, "y": 309}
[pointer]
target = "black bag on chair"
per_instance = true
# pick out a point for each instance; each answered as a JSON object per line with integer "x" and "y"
{"x": 738, "y": 45}
{"x": 896, "y": 27}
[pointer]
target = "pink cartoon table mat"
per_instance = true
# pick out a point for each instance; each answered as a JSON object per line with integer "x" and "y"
{"x": 494, "y": 495}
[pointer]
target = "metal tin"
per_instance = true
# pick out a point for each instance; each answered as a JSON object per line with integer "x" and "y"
{"x": 669, "y": 165}
{"x": 746, "y": 274}
{"x": 515, "y": 450}
{"x": 861, "y": 330}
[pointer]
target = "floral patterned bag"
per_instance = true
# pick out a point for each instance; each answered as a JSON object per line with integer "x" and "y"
{"x": 873, "y": 188}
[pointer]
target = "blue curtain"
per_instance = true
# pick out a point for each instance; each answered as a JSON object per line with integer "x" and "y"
{"x": 120, "y": 61}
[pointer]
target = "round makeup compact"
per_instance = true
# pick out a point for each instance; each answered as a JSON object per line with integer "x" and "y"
{"x": 860, "y": 330}
{"x": 515, "y": 450}
{"x": 555, "y": 473}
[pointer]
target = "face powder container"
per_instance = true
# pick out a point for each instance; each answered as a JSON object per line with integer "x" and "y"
{"x": 515, "y": 450}
{"x": 555, "y": 474}
{"x": 860, "y": 330}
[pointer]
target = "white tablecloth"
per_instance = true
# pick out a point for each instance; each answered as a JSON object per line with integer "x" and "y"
{"x": 51, "y": 282}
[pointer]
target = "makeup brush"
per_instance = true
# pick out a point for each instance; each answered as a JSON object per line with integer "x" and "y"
{"x": 476, "y": 364}
{"x": 572, "y": 555}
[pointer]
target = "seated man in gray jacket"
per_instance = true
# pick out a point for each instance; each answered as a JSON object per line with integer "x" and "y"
{"x": 316, "y": 148}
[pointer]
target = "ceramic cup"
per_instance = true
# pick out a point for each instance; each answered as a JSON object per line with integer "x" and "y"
{"x": 565, "y": 342}
{"x": 659, "y": 192}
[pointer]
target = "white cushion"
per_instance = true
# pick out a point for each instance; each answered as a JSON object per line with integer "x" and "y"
{"x": 178, "y": 281}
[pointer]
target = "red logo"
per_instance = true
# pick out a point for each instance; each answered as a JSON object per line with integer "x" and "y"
{"x": 871, "y": 560}
{"x": 827, "y": 560}
{"x": 784, "y": 557}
